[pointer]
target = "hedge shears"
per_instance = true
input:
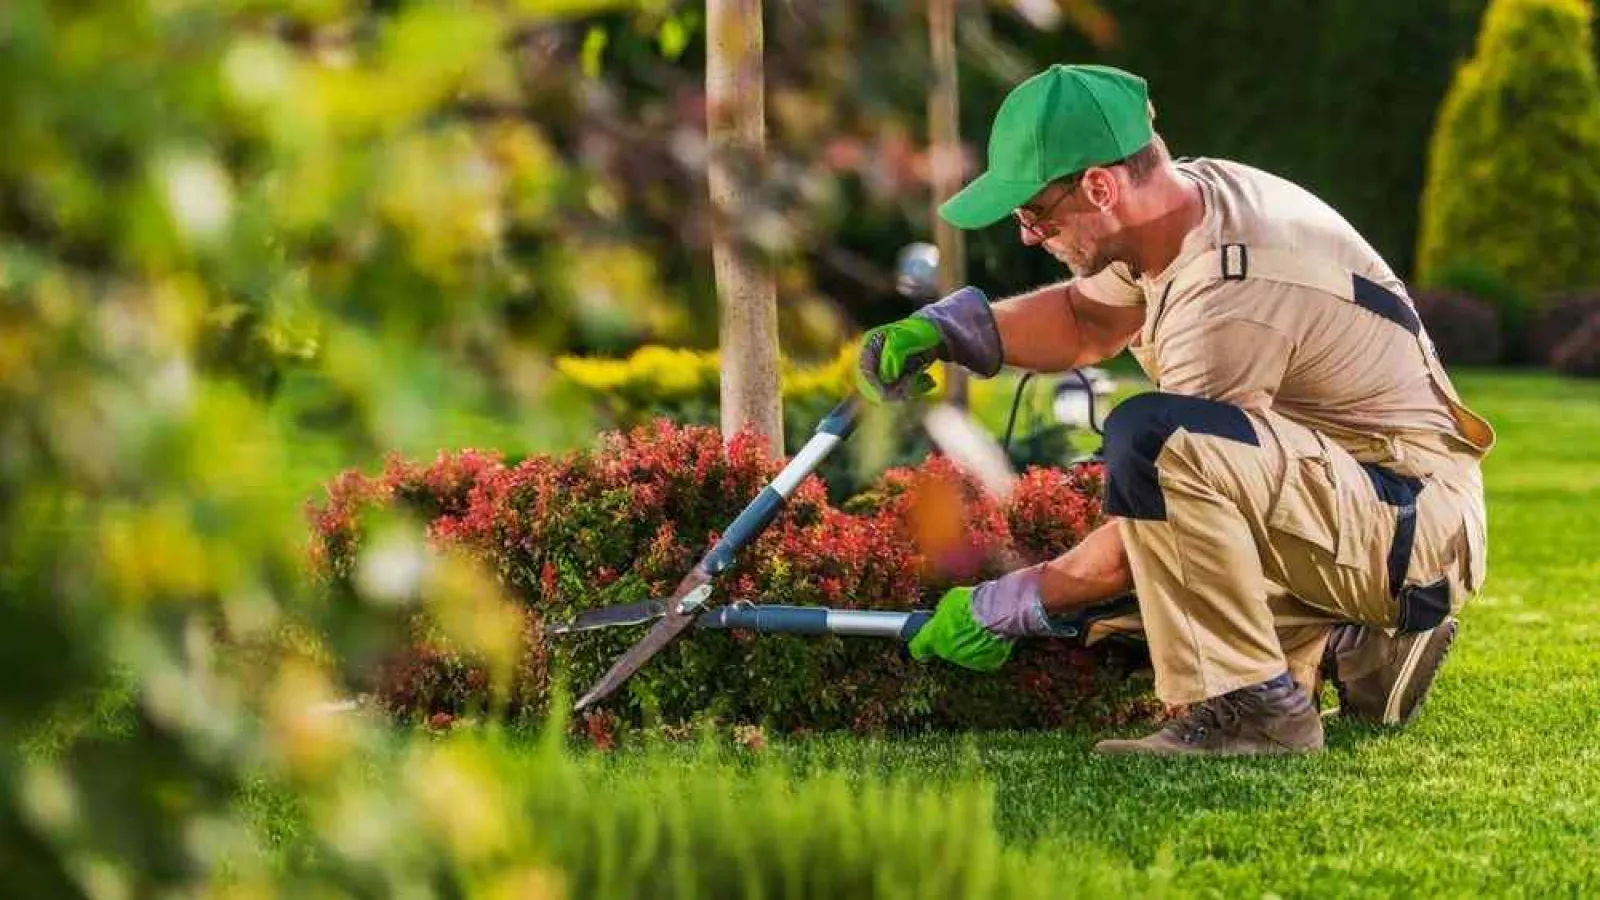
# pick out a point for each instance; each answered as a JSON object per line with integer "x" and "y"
{"x": 689, "y": 605}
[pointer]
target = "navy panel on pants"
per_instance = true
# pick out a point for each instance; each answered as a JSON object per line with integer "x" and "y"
{"x": 1137, "y": 430}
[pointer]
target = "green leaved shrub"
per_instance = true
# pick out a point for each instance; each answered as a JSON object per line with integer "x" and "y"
{"x": 1513, "y": 181}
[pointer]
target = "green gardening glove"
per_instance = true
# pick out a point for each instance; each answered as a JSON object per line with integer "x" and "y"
{"x": 955, "y": 635}
{"x": 894, "y": 357}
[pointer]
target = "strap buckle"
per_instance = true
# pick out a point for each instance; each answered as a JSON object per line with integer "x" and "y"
{"x": 1235, "y": 262}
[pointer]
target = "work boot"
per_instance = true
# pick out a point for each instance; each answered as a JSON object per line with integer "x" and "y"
{"x": 1383, "y": 679}
{"x": 1268, "y": 718}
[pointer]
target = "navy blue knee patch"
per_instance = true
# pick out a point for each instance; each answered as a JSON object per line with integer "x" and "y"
{"x": 1137, "y": 430}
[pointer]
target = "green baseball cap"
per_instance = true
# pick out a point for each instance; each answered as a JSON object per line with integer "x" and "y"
{"x": 1061, "y": 121}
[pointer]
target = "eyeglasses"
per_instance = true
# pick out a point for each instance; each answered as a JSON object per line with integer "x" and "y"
{"x": 1039, "y": 225}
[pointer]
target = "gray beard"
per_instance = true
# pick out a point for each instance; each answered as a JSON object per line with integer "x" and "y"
{"x": 1095, "y": 267}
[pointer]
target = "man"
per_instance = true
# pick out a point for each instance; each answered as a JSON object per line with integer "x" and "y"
{"x": 1303, "y": 460}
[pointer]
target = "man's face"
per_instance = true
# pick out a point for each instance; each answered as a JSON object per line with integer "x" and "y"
{"x": 1069, "y": 227}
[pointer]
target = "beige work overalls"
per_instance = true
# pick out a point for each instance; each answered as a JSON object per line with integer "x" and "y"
{"x": 1249, "y": 534}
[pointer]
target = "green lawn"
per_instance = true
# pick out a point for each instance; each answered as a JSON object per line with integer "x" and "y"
{"x": 1494, "y": 790}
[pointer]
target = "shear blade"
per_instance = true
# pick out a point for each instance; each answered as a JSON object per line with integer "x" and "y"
{"x": 675, "y": 620}
{"x": 618, "y": 616}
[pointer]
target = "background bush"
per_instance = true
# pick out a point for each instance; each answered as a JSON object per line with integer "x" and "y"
{"x": 1355, "y": 63}
{"x": 1514, "y": 308}
{"x": 1560, "y": 319}
{"x": 1464, "y": 329}
{"x": 1579, "y": 354}
{"x": 1514, "y": 171}
{"x": 626, "y": 522}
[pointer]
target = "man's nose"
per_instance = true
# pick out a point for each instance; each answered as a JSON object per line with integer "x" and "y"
{"x": 1030, "y": 238}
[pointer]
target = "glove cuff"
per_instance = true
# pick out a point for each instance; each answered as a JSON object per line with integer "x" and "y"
{"x": 1011, "y": 606}
{"x": 967, "y": 326}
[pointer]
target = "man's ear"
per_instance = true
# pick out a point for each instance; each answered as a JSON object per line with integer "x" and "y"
{"x": 1101, "y": 188}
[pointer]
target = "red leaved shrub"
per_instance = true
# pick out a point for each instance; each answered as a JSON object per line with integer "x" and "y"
{"x": 1053, "y": 509}
{"x": 625, "y": 522}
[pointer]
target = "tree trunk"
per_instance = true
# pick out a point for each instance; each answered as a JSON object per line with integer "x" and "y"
{"x": 944, "y": 138}
{"x": 746, "y": 289}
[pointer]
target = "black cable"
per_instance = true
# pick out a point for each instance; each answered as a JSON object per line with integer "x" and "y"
{"x": 1016, "y": 402}
{"x": 1094, "y": 423}
{"x": 1022, "y": 387}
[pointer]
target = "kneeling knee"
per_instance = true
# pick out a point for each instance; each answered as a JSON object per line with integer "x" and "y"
{"x": 1137, "y": 431}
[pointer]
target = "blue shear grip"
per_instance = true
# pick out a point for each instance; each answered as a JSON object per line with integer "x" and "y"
{"x": 754, "y": 520}
{"x": 914, "y": 623}
{"x": 841, "y": 420}
{"x": 770, "y": 619}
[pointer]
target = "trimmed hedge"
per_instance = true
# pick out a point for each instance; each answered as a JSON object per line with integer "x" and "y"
{"x": 625, "y": 522}
{"x": 1464, "y": 329}
{"x": 1514, "y": 167}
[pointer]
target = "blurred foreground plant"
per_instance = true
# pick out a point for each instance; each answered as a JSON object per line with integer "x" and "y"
{"x": 195, "y": 198}
{"x": 515, "y": 817}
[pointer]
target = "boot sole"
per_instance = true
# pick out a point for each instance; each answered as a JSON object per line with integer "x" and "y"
{"x": 1132, "y": 748}
{"x": 1410, "y": 671}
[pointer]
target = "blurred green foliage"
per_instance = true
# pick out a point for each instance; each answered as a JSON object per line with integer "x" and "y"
{"x": 847, "y": 179}
{"x": 701, "y": 820}
{"x": 682, "y": 385}
{"x": 1514, "y": 182}
{"x": 1339, "y": 97}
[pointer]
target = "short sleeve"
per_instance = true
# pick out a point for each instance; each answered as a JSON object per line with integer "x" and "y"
{"x": 1112, "y": 286}
{"x": 1236, "y": 361}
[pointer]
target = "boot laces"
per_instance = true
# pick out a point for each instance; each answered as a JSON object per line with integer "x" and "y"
{"x": 1218, "y": 715}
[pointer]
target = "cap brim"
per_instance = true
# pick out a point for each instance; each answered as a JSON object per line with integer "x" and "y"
{"x": 986, "y": 201}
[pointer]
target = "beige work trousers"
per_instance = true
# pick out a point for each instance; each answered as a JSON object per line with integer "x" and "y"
{"x": 1250, "y": 538}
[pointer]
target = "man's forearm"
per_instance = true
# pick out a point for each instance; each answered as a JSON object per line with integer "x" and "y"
{"x": 1094, "y": 571}
{"x": 1047, "y": 330}
{"x": 1039, "y": 329}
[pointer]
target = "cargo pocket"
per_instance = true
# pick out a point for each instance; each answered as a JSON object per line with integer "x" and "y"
{"x": 1460, "y": 563}
{"x": 1465, "y": 573}
{"x": 1309, "y": 505}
